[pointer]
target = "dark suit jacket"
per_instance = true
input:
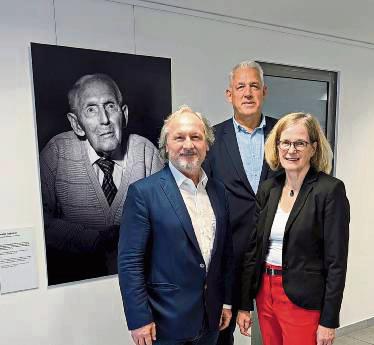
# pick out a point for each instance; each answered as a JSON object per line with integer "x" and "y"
{"x": 315, "y": 245}
{"x": 224, "y": 163}
{"x": 160, "y": 266}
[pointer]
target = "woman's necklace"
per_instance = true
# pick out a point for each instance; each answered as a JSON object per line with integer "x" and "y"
{"x": 291, "y": 191}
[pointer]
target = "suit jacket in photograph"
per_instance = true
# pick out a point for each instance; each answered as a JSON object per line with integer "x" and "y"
{"x": 161, "y": 269}
{"x": 315, "y": 245}
{"x": 224, "y": 163}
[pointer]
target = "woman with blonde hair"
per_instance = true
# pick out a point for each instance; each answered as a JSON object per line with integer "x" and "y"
{"x": 296, "y": 265}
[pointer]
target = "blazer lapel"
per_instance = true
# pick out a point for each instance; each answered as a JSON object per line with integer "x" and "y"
{"x": 305, "y": 189}
{"x": 232, "y": 147}
{"x": 212, "y": 194}
{"x": 264, "y": 171}
{"x": 265, "y": 167}
{"x": 172, "y": 192}
{"x": 273, "y": 201}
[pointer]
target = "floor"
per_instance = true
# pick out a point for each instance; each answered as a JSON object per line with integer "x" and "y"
{"x": 362, "y": 337}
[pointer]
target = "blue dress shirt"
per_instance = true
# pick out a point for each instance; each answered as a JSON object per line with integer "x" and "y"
{"x": 251, "y": 148}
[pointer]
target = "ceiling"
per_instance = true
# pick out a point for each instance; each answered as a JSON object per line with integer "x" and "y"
{"x": 338, "y": 18}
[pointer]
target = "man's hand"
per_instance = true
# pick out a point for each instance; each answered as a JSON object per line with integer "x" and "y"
{"x": 225, "y": 318}
{"x": 144, "y": 335}
{"x": 325, "y": 336}
{"x": 244, "y": 322}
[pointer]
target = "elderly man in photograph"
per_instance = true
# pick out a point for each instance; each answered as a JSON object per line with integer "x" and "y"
{"x": 85, "y": 174}
{"x": 175, "y": 248}
{"x": 237, "y": 159}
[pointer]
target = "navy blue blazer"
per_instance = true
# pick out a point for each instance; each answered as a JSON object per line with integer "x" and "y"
{"x": 224, "y": 163}
{"x": 161, "y": 269}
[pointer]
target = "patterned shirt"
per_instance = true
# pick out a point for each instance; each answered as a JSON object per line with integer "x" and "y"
{"x": 200, "y": 210}
{"x": 119, "y": 164}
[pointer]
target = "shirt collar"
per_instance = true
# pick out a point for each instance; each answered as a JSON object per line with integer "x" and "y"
{"x": 239, "y": 128}
{"x": 181, "y": 178}
{"x": 117, "y": 158}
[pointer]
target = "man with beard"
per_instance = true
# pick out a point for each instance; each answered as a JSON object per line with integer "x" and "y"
{"x": 175, "y": 248}
{"x": 85, "y": 174}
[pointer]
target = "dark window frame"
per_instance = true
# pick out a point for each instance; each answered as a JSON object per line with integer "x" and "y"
{"x": 331, "y": 77}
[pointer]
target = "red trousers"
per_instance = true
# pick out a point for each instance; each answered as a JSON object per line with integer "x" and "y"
{"x": 281, "y": 321}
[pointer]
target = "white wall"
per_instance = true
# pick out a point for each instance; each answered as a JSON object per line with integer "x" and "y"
{"x": 345, "y": 19}
{"x": 202, "y": 51}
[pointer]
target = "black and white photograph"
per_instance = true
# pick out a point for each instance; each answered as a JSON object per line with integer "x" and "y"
{"x": 98, "y": 117}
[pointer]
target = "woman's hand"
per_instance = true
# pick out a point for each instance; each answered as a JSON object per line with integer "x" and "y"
{"x": 325, "y": 336}
{"x": 244, "y": 322}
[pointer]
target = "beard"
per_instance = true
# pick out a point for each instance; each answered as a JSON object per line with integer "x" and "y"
{"x": 188, "y": 166}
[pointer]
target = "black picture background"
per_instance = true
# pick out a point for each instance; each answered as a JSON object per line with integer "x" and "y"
{"x": 145, "y": 83}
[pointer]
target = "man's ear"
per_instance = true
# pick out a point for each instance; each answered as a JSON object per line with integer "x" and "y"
{"x": 166, "y": 146}
{"x": 228, "y": 95}
{"x": 125, "y": 111}
{"x": 78, "y": 130}
{"x": 265, "y": 91}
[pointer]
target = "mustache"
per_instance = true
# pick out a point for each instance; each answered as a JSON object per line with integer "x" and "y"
{"x": 191, "y": 152}
{"x": 108, "y": 129}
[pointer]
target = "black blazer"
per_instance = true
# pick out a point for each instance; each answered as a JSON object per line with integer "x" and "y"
{"x": 223, "y": 162}
{"x": 315, "y": 245}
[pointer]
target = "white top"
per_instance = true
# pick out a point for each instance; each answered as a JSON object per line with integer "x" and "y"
{"x": 274, "y": 256}
{"x": 200, "y": 210}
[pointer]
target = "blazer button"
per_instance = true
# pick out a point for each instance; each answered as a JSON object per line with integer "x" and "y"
{"x": 202, "y": 265}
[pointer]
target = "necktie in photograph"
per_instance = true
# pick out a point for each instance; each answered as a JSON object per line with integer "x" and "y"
{"x": 109, "y": 188}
